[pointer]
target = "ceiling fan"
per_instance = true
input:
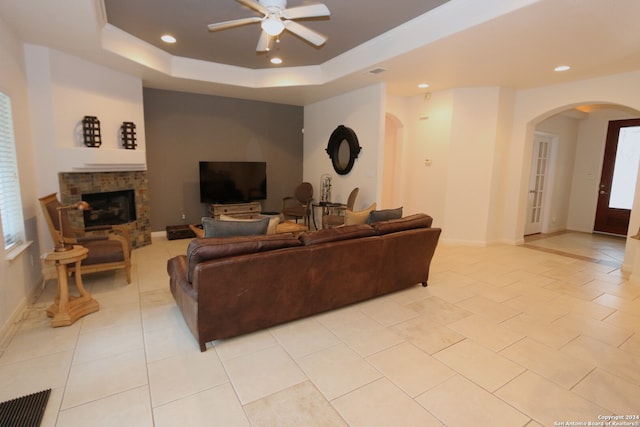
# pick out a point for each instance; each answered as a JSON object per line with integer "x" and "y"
{"x": 277, "y": 18}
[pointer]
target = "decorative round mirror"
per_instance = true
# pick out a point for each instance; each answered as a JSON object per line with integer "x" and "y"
{"x": 343, "y": 149}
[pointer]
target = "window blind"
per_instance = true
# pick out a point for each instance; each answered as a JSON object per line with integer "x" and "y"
{"x": 10, "y": 201}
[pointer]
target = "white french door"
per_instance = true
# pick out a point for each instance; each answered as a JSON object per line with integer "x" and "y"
{"x": 540, "y": 159}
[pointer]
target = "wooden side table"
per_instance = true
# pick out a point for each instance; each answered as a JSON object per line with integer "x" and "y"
{"x": 66, "y": 308}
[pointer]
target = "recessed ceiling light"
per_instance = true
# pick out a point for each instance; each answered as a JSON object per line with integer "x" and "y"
{"x": 423, "y": 85}
{"x": 276, "y": 60}
{"x": 168, "y": 38}
{"x": 562, "y": 68}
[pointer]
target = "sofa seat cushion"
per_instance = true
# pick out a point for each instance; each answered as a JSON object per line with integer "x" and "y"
{"x": 223, "y": 228}
{"x": 335, "y": 234}
{"x": 406, "y": 223}
{"x": 205, "y": 249}
{"x": 103, "y": 251}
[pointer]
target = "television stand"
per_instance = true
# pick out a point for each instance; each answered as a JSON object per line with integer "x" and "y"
{"x": 249, "y": 210}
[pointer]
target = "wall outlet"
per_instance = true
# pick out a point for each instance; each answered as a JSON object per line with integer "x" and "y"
{"x": 184, "y": 216}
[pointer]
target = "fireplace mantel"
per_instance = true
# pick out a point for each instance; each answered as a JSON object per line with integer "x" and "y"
{"x": 100, "y": 159}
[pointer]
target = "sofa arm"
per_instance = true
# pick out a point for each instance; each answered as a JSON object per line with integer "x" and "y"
{"x": 177, "y": 269}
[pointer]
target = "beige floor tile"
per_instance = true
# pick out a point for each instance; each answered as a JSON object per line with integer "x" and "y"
{"x": 486, "y": 332}
{"x": 489, "y": 309}
{"x": 171, "y": 341}
{"x": 263, "y": 373}
{"x": 244, "y": 345}
{"x": 610, "y": 392}
{"x": 584, "y": 308}
{"x": 380, "y": 403}
{"x": 299, "y": 405}
{"x": 410, "y": 369}
{"x": 34, "y": 374}
{"x": 624, "y": 290}
{"x": 105, "y": 377}
{"x": 459, "y": 402}
{"x": 106, "y": 342}
{"x": 547, "y": 362}
{"x": 427, "y": 335}
{"x": 217, "y": 406}
{"x": 540, "y": 330}
{"x": 438, "y": 310}
{"x": 482, "y": 366}
{"x": 114, "y": 316}
{"x": 613, "y": 360}
{"x": 386, "y": 311}
{"x": 179, "y": 376}
{"x": 338, "y": 370}
{"x": 366, "y": 336}
{"x": 129, "y": 408}
{"x": 602, "y": 331}
{"x": 304, "y": 337}
{"x": 624, "y": 320}
{"x": 546, "y": 402}
{"x": 632, "y": 345}
{"x": 41, "y": 341}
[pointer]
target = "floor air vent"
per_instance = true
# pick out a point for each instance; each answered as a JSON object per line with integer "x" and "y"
{"x": 25, "y": 411}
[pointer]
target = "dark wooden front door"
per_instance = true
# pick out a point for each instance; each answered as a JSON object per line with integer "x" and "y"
{"x": 618, "y": 179}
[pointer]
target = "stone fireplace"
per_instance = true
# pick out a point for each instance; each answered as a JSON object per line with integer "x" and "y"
{"x": 74, "y": 185}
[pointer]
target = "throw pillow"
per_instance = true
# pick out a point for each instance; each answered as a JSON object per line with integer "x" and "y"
{"x": 220, "y": 228}
{"x": 274, "y": 220}
{"x": 384, "y": 215}
{"x": 358, "y": 217}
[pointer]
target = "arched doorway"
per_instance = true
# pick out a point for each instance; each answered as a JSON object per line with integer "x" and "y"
{"x": 580, "y": 135}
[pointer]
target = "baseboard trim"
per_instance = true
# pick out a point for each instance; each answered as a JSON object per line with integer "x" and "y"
{"x": 10, "y": 327}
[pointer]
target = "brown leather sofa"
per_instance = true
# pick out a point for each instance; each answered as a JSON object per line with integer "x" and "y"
{"x": 226, "y": 287}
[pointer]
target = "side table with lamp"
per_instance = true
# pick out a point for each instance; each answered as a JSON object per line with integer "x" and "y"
{"x": 66, "y": 308}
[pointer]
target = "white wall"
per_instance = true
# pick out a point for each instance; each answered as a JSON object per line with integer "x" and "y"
{"x": 20, "y": 277}
{"x": 363, "y": 111}
{"x": 454, "y": 144}
{"x": 62, "y": 90}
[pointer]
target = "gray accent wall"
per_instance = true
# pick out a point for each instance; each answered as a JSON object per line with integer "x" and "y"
{"x": 183, "y": 129}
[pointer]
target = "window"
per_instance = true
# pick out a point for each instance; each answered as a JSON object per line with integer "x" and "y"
{"x": 10, "y": 202}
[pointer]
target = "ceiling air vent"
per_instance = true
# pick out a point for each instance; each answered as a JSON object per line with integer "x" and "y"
{"x": 377, "y": 71}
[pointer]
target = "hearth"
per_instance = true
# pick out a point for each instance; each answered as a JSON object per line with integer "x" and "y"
{"x": 110, "y": 208}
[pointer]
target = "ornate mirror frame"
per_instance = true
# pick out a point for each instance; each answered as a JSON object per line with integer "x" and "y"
{"x": 343, "y": 149}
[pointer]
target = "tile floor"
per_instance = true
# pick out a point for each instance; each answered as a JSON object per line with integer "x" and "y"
{"x": 503, "y": 335}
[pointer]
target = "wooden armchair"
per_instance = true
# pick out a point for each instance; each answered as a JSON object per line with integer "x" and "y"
{"x": 109, "y": 246}
{"x": 335, "y": 212}
{"x": 299, "y": 205}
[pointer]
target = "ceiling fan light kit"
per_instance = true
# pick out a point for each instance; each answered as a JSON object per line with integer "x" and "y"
{"x": 272, "y": 23}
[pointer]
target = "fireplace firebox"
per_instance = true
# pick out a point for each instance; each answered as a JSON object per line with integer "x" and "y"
{"x": 110, "y": 208}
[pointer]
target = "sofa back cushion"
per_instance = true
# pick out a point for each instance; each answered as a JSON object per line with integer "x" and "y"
{"x": 205, "y": 249}
{"x": 214, "y": 227}
{"x": 335, "y": 234}
{"x": 384, "y": 215}
{"x": 419, "y": 220}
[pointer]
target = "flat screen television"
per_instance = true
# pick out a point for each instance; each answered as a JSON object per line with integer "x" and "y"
{"x": 233, "y": 182}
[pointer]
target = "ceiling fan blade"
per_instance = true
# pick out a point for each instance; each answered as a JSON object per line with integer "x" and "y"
{"x": 306, "y": 33}
{"x": 255, "y": 6}
{"x": 264, "y": 42}
{"x": 234, "y": 23}
{"x": 309, "y": 11}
